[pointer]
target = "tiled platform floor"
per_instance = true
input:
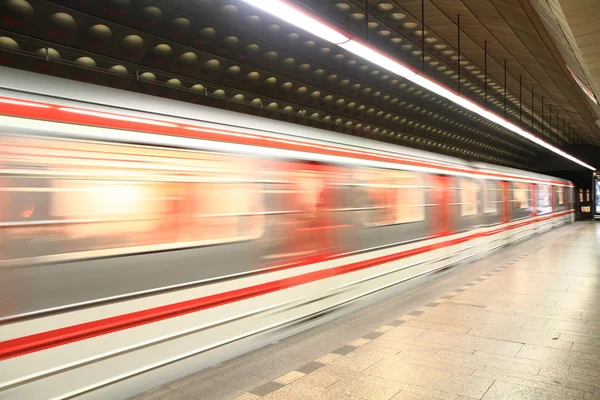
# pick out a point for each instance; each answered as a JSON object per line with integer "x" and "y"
{"x": 528, "y": 327}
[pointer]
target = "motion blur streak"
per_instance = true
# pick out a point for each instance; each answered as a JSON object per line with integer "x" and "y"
{"x": 137, "y": 247}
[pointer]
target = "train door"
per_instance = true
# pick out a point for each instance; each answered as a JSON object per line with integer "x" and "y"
{"x": 441, "y": 205}
{"x": 506, "y": 201}
{"x": 305, "y": 220}
{"x": 534, "y": 200}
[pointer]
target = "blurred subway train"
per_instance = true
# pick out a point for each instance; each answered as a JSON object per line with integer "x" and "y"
{"x": 143, "y": 238}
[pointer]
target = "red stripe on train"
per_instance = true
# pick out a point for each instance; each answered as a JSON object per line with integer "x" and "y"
{"x": 58, "y": 337}
{"x": 57, "y": 113}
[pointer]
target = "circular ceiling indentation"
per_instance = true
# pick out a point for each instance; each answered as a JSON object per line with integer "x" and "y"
{"x": 231, "y": 42}
{"x": 188, "y": 58}
{"x": 180, "y": 26}
{"x": 385, "y": 7}
{"x": 229, "y": 10}
{"x": 148, "y": 76}
{"x": 150, "y": 15}
{"x": 205, "y": 35}
{"x": 252, "y": 77}
{"x": 211, "y": 66}
{"x": 271, "y": 55}
{"x": 270, "y": 82}
{"x": 161, "y": 52}
{"x": 341, "y": 7}
{"x": 174, "y": 82}
{"x": 49, "y": 53}
{"x": 232, "y": 72}
{"x": 85, "y": 62}
{"x": 132, "y": 44}
{"x": 99, "y": 34}
{"x": 118, "y": 69}
{"x": 17, "y": 12}
{"x": 397, "y": 16}
{"x": 61, "y": 25}
{"x": 273, "y": 29}
{"x": 8, "y": 43}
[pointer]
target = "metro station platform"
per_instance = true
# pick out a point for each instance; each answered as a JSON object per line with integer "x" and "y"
{"x": 523, "y": 323}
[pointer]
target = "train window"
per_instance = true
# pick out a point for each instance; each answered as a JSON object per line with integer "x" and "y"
{"x": 520, "y": 195}
{"x": 375, "y": 196}
{"x": 469, "y": 193}
{"x": 99, "y": 197}
{"x": 560, "y": 195}
{"x": 490, "y": 196}
{"x": 544, "y": 199}
{"x": 581, "y": 195}
{"x": 385, "y": 197}
{"x": 410, "y": 204}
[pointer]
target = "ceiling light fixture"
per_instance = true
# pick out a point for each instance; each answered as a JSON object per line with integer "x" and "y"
{"x": 293, "y": 15}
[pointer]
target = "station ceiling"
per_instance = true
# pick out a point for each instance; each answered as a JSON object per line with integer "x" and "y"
{"x": 227, "y": 54}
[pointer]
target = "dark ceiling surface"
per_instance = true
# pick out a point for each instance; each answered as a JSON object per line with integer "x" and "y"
{"x": 227, "y": 54}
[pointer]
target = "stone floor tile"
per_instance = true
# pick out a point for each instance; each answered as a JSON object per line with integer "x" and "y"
{"x": 358, "y": 360}
{"x": 577, "y": 378}
{"x": 510, "y": 391}
{"x": 480, "y": 360}
{"x": 366, "y": 390}
{"x": 436, "y": 362}
{"x": 309, "y": 367}
{"x": 513, "y": 334}
{"x": 587, "y": 348}
{"x": 508, "y": 319}
{"x": 579, "y": 303}
{"x": 297, "y": 391}
{"x": 470, "y": 342}
{"x": 214, "y": 389}
{"x": 389, "y": 348}
{"x": 399, "y": 385}
{"x": 320, "y": 379}
{"x": 247, "y": 396}
{"x": 577, "y": 337}
{"x": 430, "y": 378}
{"x": 436, "y": 326}
{"x": 403, "y": 332}
{"x": 163, "y": 393}
{"x": 445, "y": 317}
{"x": 574, "y": 326}
{"x": 406, "y": 395}
{"x": 568, "y": 389}
{"x": 289, "y": 377}
{"x": 267, "y": 388}
{"x": 559, "y": 356}
{"x": 412, "y": 346}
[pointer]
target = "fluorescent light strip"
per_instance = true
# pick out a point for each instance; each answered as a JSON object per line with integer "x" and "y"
{"x": 294, "y": 16}
{"x": 281, "y": 9}
{"x": 376, "y": 57}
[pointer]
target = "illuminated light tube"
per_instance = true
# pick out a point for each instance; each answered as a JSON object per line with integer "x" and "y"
{"x": 294, "y": 16}
{"x": 376, "y": 57}
{"x": 281, "y": 9}
{"x": 23, "y": 103}
{"x": 118, "y": 117}
{"x": 477, "y": 109}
